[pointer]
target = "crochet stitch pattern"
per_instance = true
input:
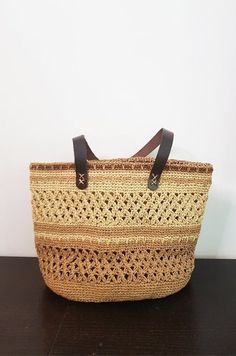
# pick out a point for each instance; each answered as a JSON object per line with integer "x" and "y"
{"x": 117, "y": 240}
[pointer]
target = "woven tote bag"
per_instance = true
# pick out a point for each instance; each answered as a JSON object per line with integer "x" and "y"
{"x": 118, "y": 229}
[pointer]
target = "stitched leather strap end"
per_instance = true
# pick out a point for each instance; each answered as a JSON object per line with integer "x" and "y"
{"x": 81, "y": 165}
{"x": 153, "y": 181}
{"x": 81, "y": 180}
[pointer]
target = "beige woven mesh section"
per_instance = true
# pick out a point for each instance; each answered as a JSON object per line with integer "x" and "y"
{"x": 118, "y": 208}
{"x": 117, "y": 240}
{"x": 120, "y": 266}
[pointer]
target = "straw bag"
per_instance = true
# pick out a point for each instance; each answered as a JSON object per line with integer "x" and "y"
{"x": 118, "y": 229}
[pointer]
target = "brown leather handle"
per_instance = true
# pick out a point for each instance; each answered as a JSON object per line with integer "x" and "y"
{"x": 164, "y": 138}
{"x": 83, "y": 152}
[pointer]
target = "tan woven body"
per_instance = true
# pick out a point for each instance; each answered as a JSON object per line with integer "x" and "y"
{"x": 117, "y": 240}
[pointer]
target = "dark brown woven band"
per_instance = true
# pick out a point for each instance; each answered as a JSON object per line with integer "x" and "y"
{"x": 171, "y": 165}
{"x": 83, "y": 152}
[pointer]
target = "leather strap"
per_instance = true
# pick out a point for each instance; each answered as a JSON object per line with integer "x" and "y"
{"x": 83, "y": 152}
{"x": 164, "y": 139}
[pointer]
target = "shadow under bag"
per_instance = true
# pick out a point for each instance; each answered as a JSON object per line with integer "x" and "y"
{"x": 118, "y": 229}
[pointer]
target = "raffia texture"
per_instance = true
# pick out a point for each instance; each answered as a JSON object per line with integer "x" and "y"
{"x": 117, "y": 240}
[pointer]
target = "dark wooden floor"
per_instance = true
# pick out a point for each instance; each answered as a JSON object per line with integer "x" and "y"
{"x": 199, "y": 320}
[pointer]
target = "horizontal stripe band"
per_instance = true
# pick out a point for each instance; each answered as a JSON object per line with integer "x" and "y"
{"x": 144, "y": 164}
{"x": 115, "y": 244}
{"x": 129, "y": 179}
{"x": 117, "y": 230}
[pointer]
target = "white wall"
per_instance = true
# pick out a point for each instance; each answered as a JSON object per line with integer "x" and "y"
{"x": 117, "y": 71}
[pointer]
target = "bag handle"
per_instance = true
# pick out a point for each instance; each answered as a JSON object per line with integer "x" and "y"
{"x": 83, "y": 152}
{"x": 164, "y": 138}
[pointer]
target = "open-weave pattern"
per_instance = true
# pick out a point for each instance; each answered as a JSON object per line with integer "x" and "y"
{"x": 117, "y": 240}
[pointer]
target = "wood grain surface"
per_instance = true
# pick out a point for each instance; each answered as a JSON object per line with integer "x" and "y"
{"x": 199, "y": 320}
